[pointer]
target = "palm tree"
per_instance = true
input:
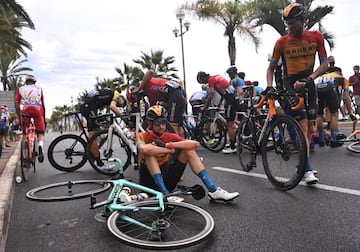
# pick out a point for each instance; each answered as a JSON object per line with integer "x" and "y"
{"x": 18, "y": 10}
{"x": 270, "y": 12}
{"x": 159, "y": 64}
{"x": 230, "y": 14}
{"x": 11, "y": 67}
{"x": 128, "y": 77}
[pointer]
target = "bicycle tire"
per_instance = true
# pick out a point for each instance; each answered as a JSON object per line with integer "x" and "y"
{"x": 216, "y": 141}
{"x": 67, "y": 153}
{"x": 354, "y": 147}
{"x": 119, "y": 150}
{"x": 25, "y": 162}
{"x": 61, "y": 192}
{"x": 196, "y": 223}
{"x": 284, "y": 159}
{"x": 246, "y": 144}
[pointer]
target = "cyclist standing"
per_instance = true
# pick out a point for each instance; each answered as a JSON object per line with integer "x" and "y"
{"x": 163, "y": 157}
{"x": 32, "y": 98}
{"x": 297, "y": 50}
{"x": 219, "y": 84}
{"x": 169, "y": 93}
{"x": 93, "y": 101}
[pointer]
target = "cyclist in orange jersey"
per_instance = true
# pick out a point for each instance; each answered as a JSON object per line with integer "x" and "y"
{"x": 297, "y": 50}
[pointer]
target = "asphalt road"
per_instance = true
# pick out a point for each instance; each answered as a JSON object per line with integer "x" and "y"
{"x": 324, "y": 217}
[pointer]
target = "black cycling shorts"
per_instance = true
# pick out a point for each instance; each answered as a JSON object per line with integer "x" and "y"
{"x": 171, "y": 172}
{"x": 328, "y": 97}
{"x": 175, "y": 106}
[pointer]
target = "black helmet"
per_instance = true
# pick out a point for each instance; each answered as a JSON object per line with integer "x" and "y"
{"x": 294, "y": 10}
{"x": 231, "y": 69}
{"x": 201, "y": 75}
{"x": 156, "y": 112}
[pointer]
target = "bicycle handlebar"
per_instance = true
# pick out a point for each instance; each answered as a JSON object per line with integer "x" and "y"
{"x": 276, "y": 95}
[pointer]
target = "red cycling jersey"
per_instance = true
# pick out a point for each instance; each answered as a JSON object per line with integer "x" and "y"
{"x": 298, "y": 53}
{"x": 149, "y": 137}
{"x": 156, "y": 90}
{"x": 31, "y": 96}
{"x": 219, "y": 84}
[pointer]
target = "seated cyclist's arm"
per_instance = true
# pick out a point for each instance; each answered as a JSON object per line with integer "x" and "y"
{"x": 150, "y": 149}
{"x": 208, "y": 100}
{"x": 183, "y": 145}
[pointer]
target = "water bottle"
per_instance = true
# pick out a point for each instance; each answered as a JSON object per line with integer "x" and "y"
{"x": 18, "y": 179}
{"x": 124, "y": 195}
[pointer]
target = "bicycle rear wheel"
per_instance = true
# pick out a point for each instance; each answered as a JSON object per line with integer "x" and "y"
{"x": 246, "y": 144}
{"x": 67, "y": 153}
{"x": 109, "y": 148}
{"x": 68, "y": 190}
{"x": 212, "y": 134}
{"x": 180, "y": 225}
{"x": 354, "y": 147}
{"x": 25, "y": 162}
{"x": 284, "y": 152}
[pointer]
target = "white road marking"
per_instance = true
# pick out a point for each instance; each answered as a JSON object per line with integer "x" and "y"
{"x": 319, "y": 186}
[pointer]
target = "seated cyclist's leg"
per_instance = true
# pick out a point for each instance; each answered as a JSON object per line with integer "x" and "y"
{"x": 176, "y": 107}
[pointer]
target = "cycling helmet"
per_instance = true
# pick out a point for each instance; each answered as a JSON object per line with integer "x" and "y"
{"x": 231, "y": 69}
{"x": 30, "y": 78}
{"x": 156, "y": 112}
{"x": 201, "y": 75}
{"x": 294, "y": 10}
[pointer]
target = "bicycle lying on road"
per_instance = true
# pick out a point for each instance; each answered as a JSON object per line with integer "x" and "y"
{"x": 28, "y": 147}
{"x": 277, "y": 137}
{"x": 147, "y": 222}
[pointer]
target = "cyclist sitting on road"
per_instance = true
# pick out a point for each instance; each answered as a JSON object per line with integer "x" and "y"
{"x": 32, "y": 97}
{"x": 327, "y": 85}
{"x": 219, "y": 84}
{"x": 297, "y": 51}
{"x": 93, "y": 101}
{"x": 168, "y": 92}
{"x": 163, "y": 157}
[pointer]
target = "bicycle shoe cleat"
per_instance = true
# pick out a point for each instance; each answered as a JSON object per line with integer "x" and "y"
{"x": 222, "y": 195}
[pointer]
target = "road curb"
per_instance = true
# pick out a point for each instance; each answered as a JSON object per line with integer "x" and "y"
{"x": 7, "y": 184}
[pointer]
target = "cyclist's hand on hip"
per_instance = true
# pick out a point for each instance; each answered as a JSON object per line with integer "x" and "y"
{"x": 303, "y": 83}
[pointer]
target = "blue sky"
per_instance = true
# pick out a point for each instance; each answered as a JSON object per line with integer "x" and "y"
{"x": 77, "y": 41}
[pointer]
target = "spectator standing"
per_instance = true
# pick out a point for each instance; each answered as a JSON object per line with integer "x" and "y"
{"x": 354, "y": 81}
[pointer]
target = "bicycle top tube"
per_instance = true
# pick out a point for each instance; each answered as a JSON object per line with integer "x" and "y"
{"x": 119, "y": 184}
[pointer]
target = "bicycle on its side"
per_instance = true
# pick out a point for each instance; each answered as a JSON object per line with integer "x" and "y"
{"x": 277, "y": 137}
{"x": 147, "y": 222}
{"x": 28, "y": 147}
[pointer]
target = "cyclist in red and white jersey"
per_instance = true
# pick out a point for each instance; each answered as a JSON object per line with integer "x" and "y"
{"x": 31, "y": 97}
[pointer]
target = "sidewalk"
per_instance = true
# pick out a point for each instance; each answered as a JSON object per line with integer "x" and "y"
{"x": 8, "y": 160}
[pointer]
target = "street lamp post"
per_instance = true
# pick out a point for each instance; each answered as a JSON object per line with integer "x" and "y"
{"x": 180, "y": 16}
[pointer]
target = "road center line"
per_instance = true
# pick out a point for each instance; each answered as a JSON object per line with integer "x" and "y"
{"x": 319, "y": 186}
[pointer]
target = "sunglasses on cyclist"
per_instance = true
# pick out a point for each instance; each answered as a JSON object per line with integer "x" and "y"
{"x": 160, "y": 122}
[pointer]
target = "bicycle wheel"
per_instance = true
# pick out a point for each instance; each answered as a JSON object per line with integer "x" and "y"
{"x": 118, "y": 149}
{"x": 68, "y": 190}
{"x": 67, "y": 153}
{"x": 284, "y": 152}
{"x": 354, "y": 147}
{"x": 212, "y": 134}
{"x": 180, "y": 225}
{"x": 246, "y": 144}
{"x": 25, "y": 162}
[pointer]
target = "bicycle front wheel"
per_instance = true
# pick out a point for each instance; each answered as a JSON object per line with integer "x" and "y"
{"x": 212, "y": 134}
{"x": 67, "y": 153}
{"x": 68, "y": 190}
{"x": 180, "y": 225}
{"x": 284, "y": 152}
{"x": 113, "y": 147}
{"x": 354, "y": 147}
{"x": 25, "y": 162}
